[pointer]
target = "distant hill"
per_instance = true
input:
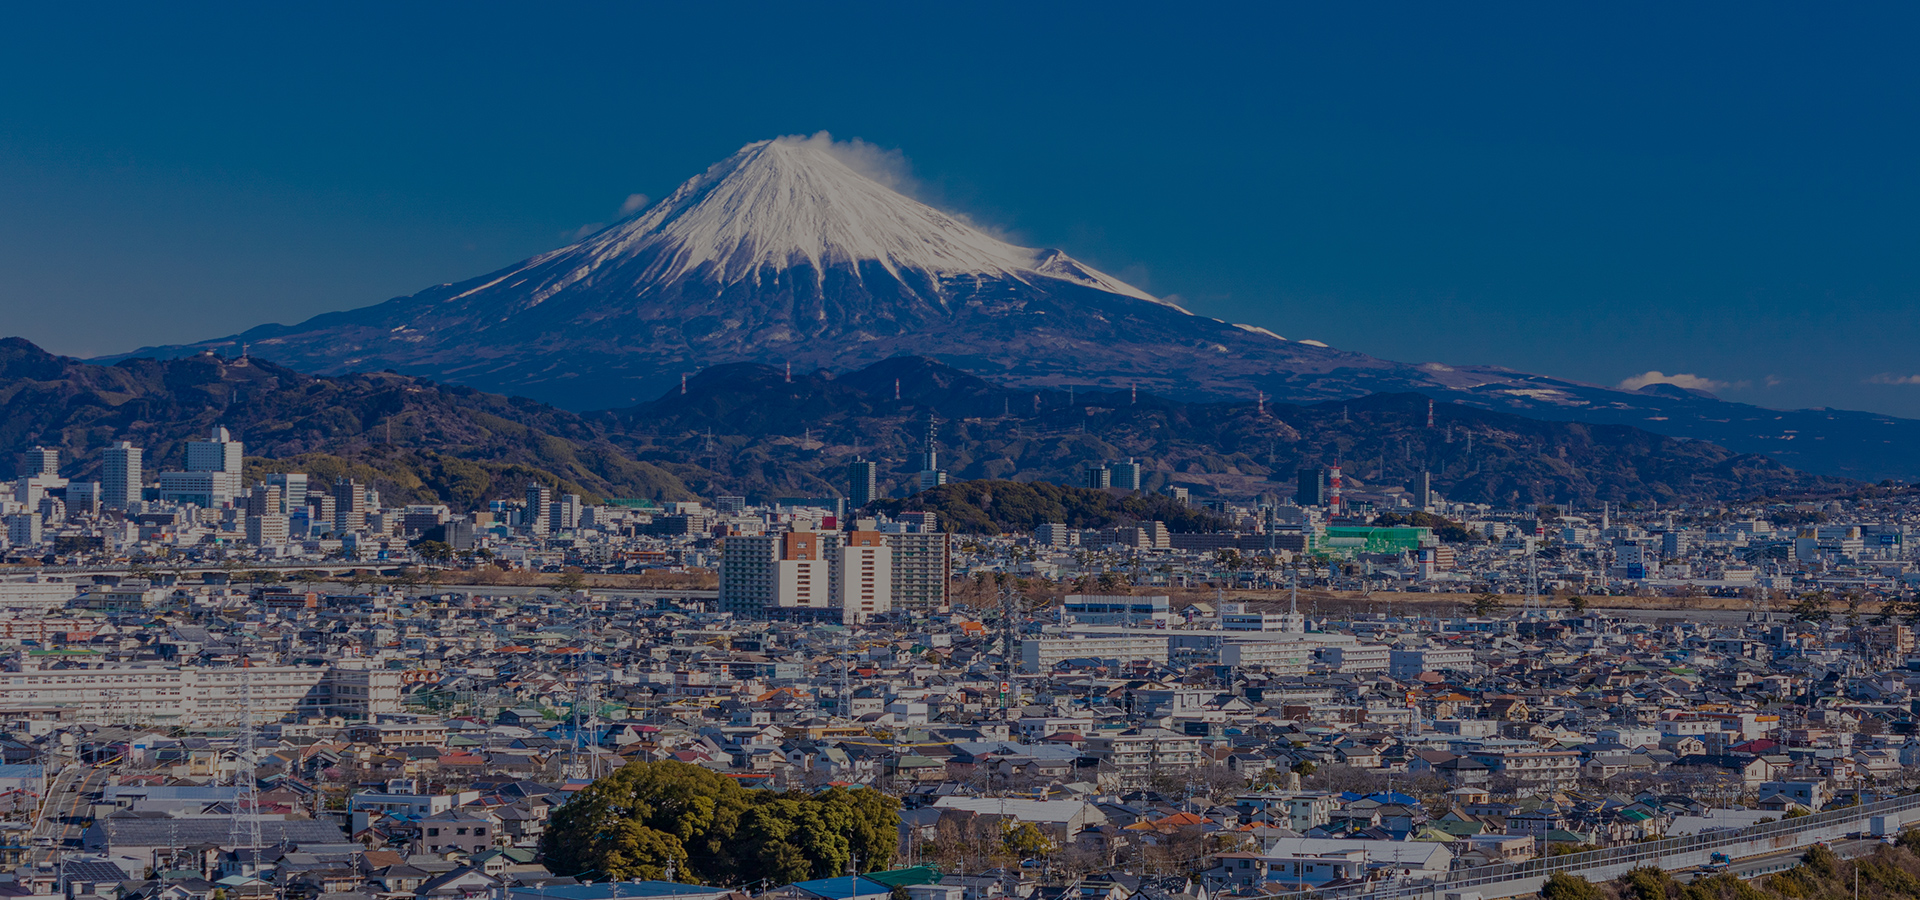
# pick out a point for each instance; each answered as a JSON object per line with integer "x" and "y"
{"x": 415, "y": 440}
{"x": 997, "y": 507}
{"x": 749, "y": 427}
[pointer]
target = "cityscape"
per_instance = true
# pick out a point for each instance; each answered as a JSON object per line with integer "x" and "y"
{"x": 1264, "y": 453}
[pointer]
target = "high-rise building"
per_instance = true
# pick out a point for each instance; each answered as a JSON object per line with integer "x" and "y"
{"x": 293, "y": 491}
{"x": 1423, "y": 490}
{"x": 1099, "y": 476}
{"x": 23, "y": 531}
{"x": 782, "y": 575}
{"x": 1312, "y": 490}
{"x": 121, "y": 478}
{"x": 863, "y": 483}
{"x": 349, "y": 506}
{"x": 42, "y": 461}
{"x": 218, "y": 453}
{"x": 1124, "y": 475}
{"x": 564, "y": 514}
{"x": 266, "y": 500}
{"x": 537, "y": 517}
{"x": 728, "y": 505}
{"x": 83, "y": 498}
{"x": 860, "y": 574}
{"x": 921, "y": 566}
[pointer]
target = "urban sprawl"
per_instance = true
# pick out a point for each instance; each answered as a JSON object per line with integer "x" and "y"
{"x": 214, "y": 689}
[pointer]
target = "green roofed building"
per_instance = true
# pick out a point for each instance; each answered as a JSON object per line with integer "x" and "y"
{"x": 1347, "y": 541}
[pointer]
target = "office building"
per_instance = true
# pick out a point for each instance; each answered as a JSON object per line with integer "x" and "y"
{"x": 863, "y": 483}
{"x": 1124, "y": 475}
{"x": 1312, "y": 487}
{"x": 293, "y": 491}
{"x": 535, "y": 517}
{"x": 266, "y": 500}
{"x": 83, "y": 498}
{"x": 1099, "y": 476}
{"x": 564, "y": 514}
{"x": 218, "y": 453}
{"x": 42, "y": 461}
{"x": 349, "y": 506}
{"x": 209, "y": 490}
{"x": 729, "y": 505}
{"x": 121, "y": 477}
{"x": 23, "y": 530}
{"x": 268, "y": 529}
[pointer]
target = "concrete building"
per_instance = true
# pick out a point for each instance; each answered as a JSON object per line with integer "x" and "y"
{"x": 1408, "y": 663}
{"x": 349, "y": 506}
{"x": 1040, "y": 655}
{"x": 42, "y": 461}
{"x": 1106, "y": 609}
{"x": 863, "y": 483}
{"x": 922, "y": 564}
{"x": 218, "y": 453}
{"x": 121, "y": 476}
{"x": 860, "y": 574}
{"x": 200, "y": 697}
{"x": 1138, "y": 754}
{"x": 1055, "y": 534}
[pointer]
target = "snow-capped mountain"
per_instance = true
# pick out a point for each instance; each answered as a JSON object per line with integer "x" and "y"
{"x": 783, "y": 254}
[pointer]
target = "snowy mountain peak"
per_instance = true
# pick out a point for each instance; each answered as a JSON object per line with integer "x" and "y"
{"x": 789, "y": 202}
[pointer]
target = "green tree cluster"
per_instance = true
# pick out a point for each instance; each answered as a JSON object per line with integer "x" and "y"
{"x": 649, "y": 818}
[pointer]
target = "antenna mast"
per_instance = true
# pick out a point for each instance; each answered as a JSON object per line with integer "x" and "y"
{"x": 246, "y": 813}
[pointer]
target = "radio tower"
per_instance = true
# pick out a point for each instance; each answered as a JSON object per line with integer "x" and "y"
{"x": 1010, "y": 623}
{"x": 1533, "y": 577}
{"x": 246, "y": 812}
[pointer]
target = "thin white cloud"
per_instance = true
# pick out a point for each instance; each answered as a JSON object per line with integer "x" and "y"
{"x": 1679, "y": 379}
{"x": 1890, "y": 378}
{"x": 891, "y": 168}
{"x": 633, "y": 204}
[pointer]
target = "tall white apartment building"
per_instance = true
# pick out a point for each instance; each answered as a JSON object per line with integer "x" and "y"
{"x": 860, "y": 575}
{"x": 922, "y": 563}
{"x": 121, "y": 476}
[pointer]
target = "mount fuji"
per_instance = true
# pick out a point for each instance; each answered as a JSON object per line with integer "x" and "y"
{"x": 784, "y": 254}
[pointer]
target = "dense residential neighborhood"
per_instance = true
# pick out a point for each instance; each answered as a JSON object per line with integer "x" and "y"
{"x": 287, "y": 689}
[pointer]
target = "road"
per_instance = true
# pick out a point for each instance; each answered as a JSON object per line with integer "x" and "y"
{"x": 1767, "y": 864}
{"x": 63, "y": 816}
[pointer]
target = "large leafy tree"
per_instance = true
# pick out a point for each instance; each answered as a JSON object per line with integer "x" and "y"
{"x": 648, "y": 818}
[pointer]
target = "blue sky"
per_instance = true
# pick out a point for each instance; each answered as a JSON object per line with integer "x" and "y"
{"x": 1725, "y": 191}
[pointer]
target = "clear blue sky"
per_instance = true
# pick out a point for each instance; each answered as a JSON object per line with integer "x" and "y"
{"x": 1726, "y": 191}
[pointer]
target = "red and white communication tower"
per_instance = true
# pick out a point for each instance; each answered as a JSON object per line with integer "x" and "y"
{"x": 1333, "y": 491}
